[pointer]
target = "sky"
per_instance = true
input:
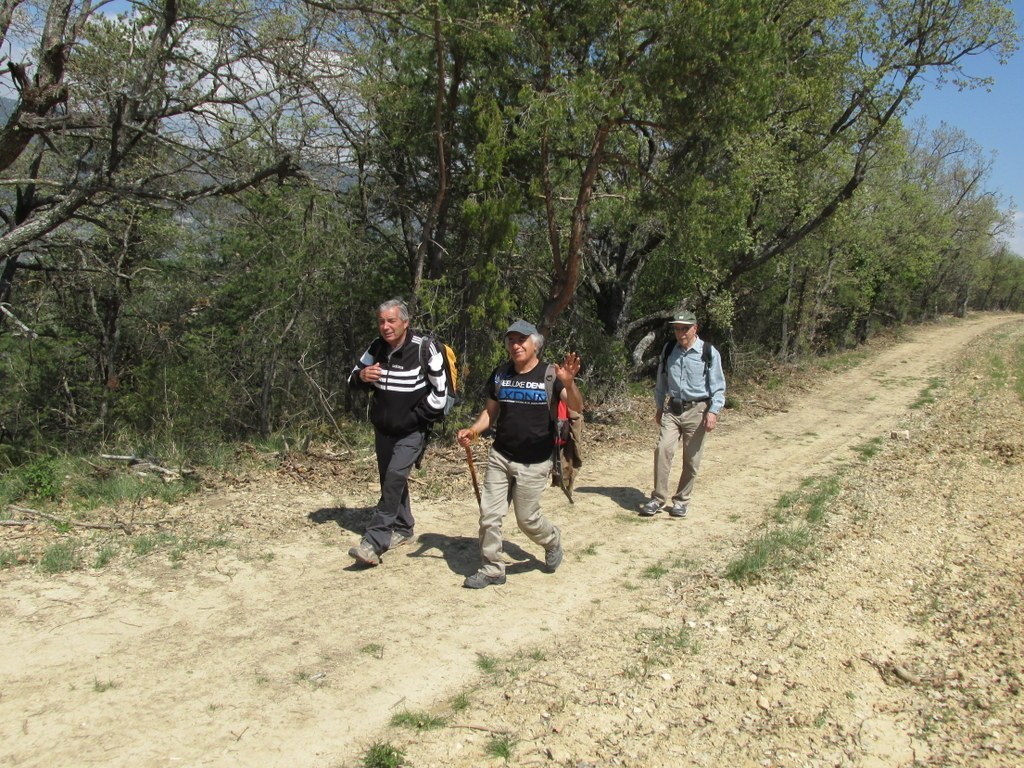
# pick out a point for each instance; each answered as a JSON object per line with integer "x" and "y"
{"x": 993, "y": 118}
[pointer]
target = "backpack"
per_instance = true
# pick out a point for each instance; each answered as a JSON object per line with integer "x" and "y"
{"x": 451, "y": 369}
{"x": 568, "y": 428}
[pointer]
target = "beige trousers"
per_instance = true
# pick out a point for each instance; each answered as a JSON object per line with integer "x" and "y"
{"x": 688, "y": 429}
{"x": 521, "y": 485}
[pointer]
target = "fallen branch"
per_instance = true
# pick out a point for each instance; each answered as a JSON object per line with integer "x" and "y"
{"x": 141, "y": 465}
{"x": 116, "y": 525}
{"x": 485, "y": 729}
{"x": 35, "y": 513}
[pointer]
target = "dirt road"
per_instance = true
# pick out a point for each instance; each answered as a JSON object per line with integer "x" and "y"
{"x": 272, "y": 650}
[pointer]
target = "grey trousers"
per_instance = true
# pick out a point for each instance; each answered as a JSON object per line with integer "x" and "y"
{"x": 396, "y": 457}
{"x": 688, "y": 429}
{"x": 521, "y": 485}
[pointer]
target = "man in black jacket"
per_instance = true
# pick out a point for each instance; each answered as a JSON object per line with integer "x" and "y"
{"x": 406, "y": 400}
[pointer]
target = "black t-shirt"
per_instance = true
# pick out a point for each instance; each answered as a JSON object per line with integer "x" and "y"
{"x": 523, "y": 431}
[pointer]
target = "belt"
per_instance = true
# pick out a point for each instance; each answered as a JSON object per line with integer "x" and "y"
{"x": 684, "y": 405}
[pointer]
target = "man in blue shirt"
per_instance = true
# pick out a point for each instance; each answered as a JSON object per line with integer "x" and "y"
{"x": 692, "y": 379}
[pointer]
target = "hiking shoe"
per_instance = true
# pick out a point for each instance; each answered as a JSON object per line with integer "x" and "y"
{"x": 479, "y": 580}
{"x": 678, "y": 510}
{"x": 399, "y": 539}
{"x": 364, "y": 554}
{"x": 651, "y": 508}
{"x": 553, "y": 556}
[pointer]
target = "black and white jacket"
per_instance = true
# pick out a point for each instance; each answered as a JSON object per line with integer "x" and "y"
{"x": 407, "y": 398}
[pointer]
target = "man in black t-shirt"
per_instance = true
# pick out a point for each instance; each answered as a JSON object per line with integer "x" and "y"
{"x": 519, "y": 461}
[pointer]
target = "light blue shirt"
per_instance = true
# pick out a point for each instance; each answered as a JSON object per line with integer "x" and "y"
{"x": 684, "y": 379}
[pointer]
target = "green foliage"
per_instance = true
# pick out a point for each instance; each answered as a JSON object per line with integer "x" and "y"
{"x": 376, "y": 650}
{"x": 1018, "y": 370}
{"x": 743, "y": 158}
{"x": 102, "y": 686}
{"x": 39, "y": 480}
{"x": 460, "y": 702}
{"x": 42, "y": 479}
{"x": 146, "y": 543}
{"x": 85, "y": 489}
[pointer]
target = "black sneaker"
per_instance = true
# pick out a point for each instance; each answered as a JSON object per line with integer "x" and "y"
{"x": 479, "y": 580}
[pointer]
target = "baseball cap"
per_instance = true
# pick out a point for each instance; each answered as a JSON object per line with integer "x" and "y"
{"x": 683, "y": 318}
{"x": 523, "y": 327}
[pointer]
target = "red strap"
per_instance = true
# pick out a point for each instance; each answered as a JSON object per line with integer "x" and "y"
{"x": 563, "y": 415}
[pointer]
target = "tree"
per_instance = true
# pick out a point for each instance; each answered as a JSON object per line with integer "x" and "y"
{"x": 849, "y": 73}
{"x": 164, "y": 105}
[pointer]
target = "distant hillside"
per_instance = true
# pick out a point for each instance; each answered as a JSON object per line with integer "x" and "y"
{"x": 6, "y": 108}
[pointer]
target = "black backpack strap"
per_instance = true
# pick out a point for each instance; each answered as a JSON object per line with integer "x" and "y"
{"x": 707, "y": 356}
{"x": 376, "y": 347}
{"x": 425, "y": 342}
{"x": 665, "y": 355}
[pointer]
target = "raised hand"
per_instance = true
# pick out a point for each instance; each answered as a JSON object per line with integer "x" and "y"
{"x": 566, "y": 372}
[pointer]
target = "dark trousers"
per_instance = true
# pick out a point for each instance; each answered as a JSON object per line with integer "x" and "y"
{"x": 396, "y": 457}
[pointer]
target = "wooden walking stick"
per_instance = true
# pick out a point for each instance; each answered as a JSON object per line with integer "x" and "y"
{"x": 472, "y": 473}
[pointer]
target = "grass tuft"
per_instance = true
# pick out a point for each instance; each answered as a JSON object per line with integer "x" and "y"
{"x": 107, "y": 553}
{"x": 373, "y": 649}
{"x": 60, "y": 558}
{"x": 655, "y": 571}
{"x": 677, "y": 639}
{"x": 870, "y": 449}
{"x": 102, "y": 686}
{"x": 773, "y": 551}
{"x": 8, "y": 558}
{"x": 928, "y": 394}
{"x": 420, "y": 721}
{"x": 487, "y": 664}
{"x": 383, "y": 755}
{"x": 500, "y": 746}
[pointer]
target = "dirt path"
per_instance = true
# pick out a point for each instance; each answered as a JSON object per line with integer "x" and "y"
{"x": 284, "y": 655}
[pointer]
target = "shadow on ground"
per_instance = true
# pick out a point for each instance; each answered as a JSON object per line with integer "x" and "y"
{"x": 354, "y": 520}
{"x": 462, "y": 554}
{"x": 628, "y": 498}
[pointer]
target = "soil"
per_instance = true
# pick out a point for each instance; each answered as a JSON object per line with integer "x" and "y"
{"x": 891, "y": 637}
